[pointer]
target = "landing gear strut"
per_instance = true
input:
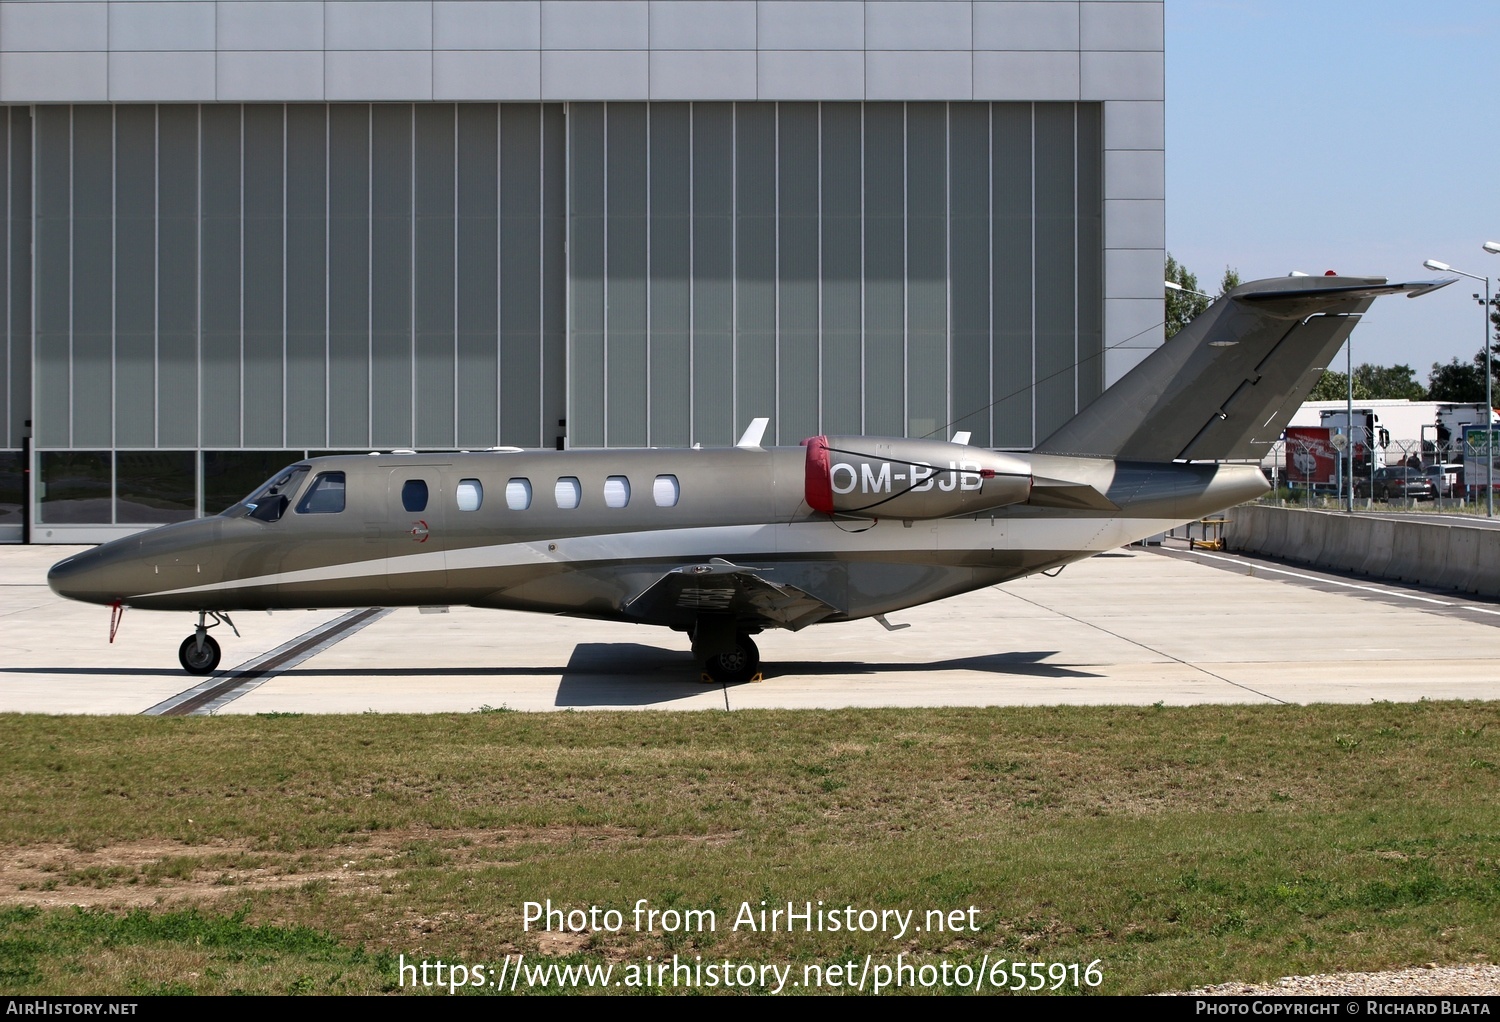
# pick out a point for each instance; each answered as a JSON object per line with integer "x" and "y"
{"x": 727, "y": 656}
{"x": 199, "y": 652}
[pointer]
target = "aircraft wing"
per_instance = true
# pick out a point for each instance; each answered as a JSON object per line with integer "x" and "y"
{"x": 720, "y": 587}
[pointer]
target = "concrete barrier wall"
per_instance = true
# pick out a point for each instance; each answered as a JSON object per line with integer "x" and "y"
{"x": 1445, "y": 556}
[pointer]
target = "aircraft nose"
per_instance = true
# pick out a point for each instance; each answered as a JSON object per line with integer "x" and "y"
{"x": 88, "y": 576}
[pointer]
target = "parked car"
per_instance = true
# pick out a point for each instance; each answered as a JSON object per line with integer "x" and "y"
{"x": 1398, "y": 483}
{"x": 1448, "y": 479}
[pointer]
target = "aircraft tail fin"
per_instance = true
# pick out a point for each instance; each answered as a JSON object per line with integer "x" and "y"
{"x": 1226, "y": 385}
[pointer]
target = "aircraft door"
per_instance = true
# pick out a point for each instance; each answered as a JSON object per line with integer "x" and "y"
{"x": 415, "y": 533}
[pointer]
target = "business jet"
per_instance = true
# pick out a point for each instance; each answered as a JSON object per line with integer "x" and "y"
{"x": 724, "y": 543}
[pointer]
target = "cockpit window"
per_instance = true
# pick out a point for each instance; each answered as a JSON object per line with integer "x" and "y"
{"x": 269, "y": 502}
{"x": 325, "y": 496}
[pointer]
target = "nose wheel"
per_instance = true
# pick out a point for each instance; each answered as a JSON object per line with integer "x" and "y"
{"x": 199, "y": 652}
{"x": 198, "y": 656}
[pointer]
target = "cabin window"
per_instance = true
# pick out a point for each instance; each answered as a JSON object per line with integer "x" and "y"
{"x": 568, "y": 492}
{"x": 518, "y": 494}
{"x": 616, "y": 491}
{"x": 470, "y": 494}
{"x": 414, "y": 495}
{"x": 325, "y": 496}
{"x": 665, "y": 491}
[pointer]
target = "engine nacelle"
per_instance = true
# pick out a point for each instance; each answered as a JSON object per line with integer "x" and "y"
{"x": 876, "y": 477}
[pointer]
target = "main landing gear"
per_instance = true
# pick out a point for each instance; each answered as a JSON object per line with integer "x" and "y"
{"x": 726, "y": 655}
{"x": 199, "y": 652}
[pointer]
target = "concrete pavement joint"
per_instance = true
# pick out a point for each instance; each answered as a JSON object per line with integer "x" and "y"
{"x": 1142, "y": 645}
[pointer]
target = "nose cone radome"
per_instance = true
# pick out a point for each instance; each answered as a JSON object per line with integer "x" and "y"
{"x": 89, "y": 576}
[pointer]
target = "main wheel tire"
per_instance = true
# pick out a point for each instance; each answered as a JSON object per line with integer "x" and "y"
{"x": 195, "y": 660}
{"x": 735, "y": 666}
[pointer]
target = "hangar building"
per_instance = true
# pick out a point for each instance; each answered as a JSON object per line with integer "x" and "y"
{"x": 237, "y": 232}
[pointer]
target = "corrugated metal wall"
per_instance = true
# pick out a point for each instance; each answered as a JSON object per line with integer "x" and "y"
{"x": 321, "y": 276}
{"x": 882, "y": 268}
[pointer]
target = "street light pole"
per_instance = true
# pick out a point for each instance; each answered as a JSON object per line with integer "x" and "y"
{"x": 1489, "y": 379}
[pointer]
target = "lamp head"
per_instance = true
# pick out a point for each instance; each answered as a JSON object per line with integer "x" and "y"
{"x": 1433, "y": 264}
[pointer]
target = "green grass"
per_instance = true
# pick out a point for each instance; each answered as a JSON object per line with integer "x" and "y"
{"x": 1179, "y": 847}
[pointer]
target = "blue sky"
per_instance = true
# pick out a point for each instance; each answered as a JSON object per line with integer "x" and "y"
{"x": 1362, "y": 137}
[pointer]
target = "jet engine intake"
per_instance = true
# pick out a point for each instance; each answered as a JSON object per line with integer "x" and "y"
{"x": 870, "y": 477}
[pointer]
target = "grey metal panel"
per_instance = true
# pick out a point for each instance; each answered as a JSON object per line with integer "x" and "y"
{"x": 713, "y": 273}
{"x": 378, "y": 74}
{"x": 842, "y": 269}
{"x": 1121, "y": 75}
{"x": 1135, "y": 223}
{"x": 177, "y": 280}
{"x": 920, "y": 25}
{"x": 817, "y": 25}
{"x": 10, "y": 340}
{"x": 703, "y": 24}
{"x": 595, "y": 74}
{"x": 1044, "y": 25}
{"x": 54, "y": 317}
{"x": 1135, "y": 174}
{"x": 487, "y": 75}
{"x": 18, "y": 265}
{"x": 383, "y": 25}
{"x": 1090, "y": 212}
{"x": 969, "y": 268}
{"x": 625, "y": 312}
{"x": 913, "y": 75}
{"x": 436, "y": 344}
{"x": 926, "y": 267}
{"x": 265, "y": 244}
{"x": 270, "y": 25}
{"x": 478, "y": 275}
{"x": 391, "y": 276}
{"x": 885, "y": 269}
{"x": 54, "y": 77}
{"x": 670, "y": 256}
{"x": 307, "y": 275}
{"x": 1135, "y": 125}
{"x": 522, "y": 273}
{"x": 595, "y": 25}
{"x": 755, "y": 260}
{"x": 797, "y": 181}
{"x": 487, "y": 24}
{"x": 586, "y": 274}
{"x": 135, "y": 276}
{"x": 1056, "y": 266}
{"x": 807, "y": 74}
{"x": 93, "y": 266}
{"x": 54, "y": 26}
{"x": 1014, "y": 274}
{"x": 348, "y": 276}
{"x": 703, "y": 74}
{"x": 554, "y": 273}
{"x": 270, "y": 76}
{"x": 174, "y": 25}
{"x": 1118, "y": 25}
{"x": 166, "y": 77}
{"x": 1022, "y": 75}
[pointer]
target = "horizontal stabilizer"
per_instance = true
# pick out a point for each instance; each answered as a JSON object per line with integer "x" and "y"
{"x": 1226, "y": 385}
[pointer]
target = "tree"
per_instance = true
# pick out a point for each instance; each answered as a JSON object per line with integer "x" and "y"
{"x": 1371, "y": 383}
{"x": 1457, "y": 382}
{"x": 1182, "y": 306}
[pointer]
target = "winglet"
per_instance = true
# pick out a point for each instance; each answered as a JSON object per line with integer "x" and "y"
{"x": 750, "y": 441}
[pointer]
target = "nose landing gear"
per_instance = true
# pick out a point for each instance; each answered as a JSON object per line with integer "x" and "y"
{"x": 199, "y": 652}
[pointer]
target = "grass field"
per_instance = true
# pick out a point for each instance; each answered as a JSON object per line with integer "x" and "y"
{"x": 1174, "y": 846}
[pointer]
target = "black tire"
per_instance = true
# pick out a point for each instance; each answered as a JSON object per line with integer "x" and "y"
{"x": 196, "y": 661}
{"x": 737, "y": 666}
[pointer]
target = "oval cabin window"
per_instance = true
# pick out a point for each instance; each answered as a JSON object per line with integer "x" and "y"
{"x": 616, "y": 491}
{"x": 470, "y": 494}
{"x": 665, "y": 491}
{"x": 518, "y": 494}
{"x": 568, "y": 492}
